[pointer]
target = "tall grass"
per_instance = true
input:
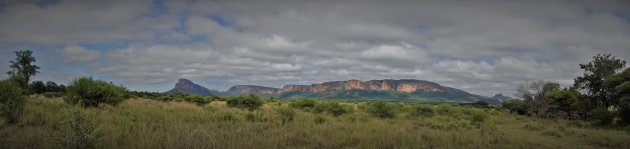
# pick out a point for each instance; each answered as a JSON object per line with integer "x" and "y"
{"x": 142, "y": 123}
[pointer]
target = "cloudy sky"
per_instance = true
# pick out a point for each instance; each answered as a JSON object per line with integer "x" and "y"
{"x": 484, "y": 47}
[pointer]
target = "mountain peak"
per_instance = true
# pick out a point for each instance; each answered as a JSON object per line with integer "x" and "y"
{"x": 187, "y": 86}
{"x": 501, "y": 97}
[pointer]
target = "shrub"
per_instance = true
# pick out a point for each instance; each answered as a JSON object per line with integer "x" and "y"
{"x": 78, "y": 131}
{"x": 515, "y": 106}
{"x": 250, "y": 102}
{"x": 337, "y": 109}
{"x": 286, "y": 114}
{"x": 90, "y": 93}
{"x": 197, "y": 99}
{"x": 305, "y": 103}
{"x": 381, "y": 109}
{"x": 480, "y": 104}
{"x": 478, "y": 116}
{"x": 319, "y": 108}
{"x": 422, "y": 111}
{"x": 601, "y": 116}
{"x": 11, "y": 100}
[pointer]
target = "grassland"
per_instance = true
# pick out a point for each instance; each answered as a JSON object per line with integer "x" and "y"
{"x": 143, "y": 123}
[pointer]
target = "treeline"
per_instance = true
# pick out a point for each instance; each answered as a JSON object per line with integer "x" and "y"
{"x": 600, "y": 95}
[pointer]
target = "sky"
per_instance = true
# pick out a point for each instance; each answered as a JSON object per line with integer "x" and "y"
{"x": 481, "y": 46}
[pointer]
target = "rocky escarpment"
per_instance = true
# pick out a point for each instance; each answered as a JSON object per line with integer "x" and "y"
{"x": 388, "y": 89}
{"x": 252, "y": 89}
{"x": 407, "y": 86}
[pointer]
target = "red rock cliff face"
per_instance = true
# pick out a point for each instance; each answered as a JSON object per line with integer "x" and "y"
{"x": 294, "y": 88}
{"x": 407, "y": 86}
{"x": 338, "y": 85}
{"x": 251, "y": 89}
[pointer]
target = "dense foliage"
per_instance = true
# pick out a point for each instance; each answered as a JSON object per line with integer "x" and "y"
{"x": 250, "y": 102}
{"x": 11, "y": 100}
{"x": 381, "y": 109}
{"x": 39, "y": 87}
{"x": 601, "y": 95}
{"x": 23, "y": 67}
{"x": 88, "y": 92}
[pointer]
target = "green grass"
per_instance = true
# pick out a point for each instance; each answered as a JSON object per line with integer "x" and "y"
{"x": 143, "y": 123}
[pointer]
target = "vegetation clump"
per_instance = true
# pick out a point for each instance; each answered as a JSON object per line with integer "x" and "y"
{"x": 286, "y": 114}
{"x": 11, "y": 100}
{"x": 88, "y": 92}
{"x": 78, "y": 130}
{"x": 250, "y": 102}
{"x": 381, "y": 109}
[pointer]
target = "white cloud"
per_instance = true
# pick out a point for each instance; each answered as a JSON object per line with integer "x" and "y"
{"x": 77, "y": 54}
{"x": 75, "y": 22}
{"x": 484, "y": 46}
{"x": 396, "y": 55}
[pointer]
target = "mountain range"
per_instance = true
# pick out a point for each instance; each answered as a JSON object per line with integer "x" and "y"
{"x": 388, "y": 89}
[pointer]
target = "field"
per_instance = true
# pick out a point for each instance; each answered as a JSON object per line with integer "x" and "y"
{"x": 144, "y": 123}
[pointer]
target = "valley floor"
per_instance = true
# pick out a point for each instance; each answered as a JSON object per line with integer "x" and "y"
{"x": 143, "y": 123}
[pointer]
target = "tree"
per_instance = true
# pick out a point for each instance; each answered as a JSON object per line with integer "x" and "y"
{"x": 11, "y": 100}
{"x": 515, "y": 106}
{"x": 621, "y": 84}
{"x": 533, "y": 95}
{"x": 90, "y": 93}
{"x": 23, "y": 66}
{"x": 592, "y": 81}
{"x": 52, "y": 87}
{"x": 564, "y": 100}
{"x": 38, "y": 87}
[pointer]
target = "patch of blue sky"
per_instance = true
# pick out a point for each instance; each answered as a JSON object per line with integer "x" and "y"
{"x": 45, "y": 3}
{"x": 159, "y": 8}
{"x": 623, "y": 16}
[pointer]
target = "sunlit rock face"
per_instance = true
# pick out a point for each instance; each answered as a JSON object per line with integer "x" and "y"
{"x": 252, "y": 89}
{"x": 296, "y": 88}
{"x": 407, "y": 86}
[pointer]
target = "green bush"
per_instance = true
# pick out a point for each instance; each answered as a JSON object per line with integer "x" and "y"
{"x": 515, "y": 106}
{"x": 88, "y": 92}
{"x": 250, "y": 102}
{"x": 601, "y": 116}
{"x": 197, "y": 99}
{"x": 11, "y": 100}
{"x": 319, "y": 108}
{"x": 422, "y": 110}
{"x": 478, "y": 116}
{"x": 286, "y": 114}
{"x": 381, "y": 109}
{"x": 304, "y": 103}
{"x": 337, "y": 109}
{"x": 78, "y": 131}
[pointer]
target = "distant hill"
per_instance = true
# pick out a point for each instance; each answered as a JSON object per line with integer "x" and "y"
{"x": 388, "y": 89}
{"x": 405, "y": 89}
{"x": 187, "y": 86}
{"x": 251, "y": 89}
{"x": 501, "y": 97}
